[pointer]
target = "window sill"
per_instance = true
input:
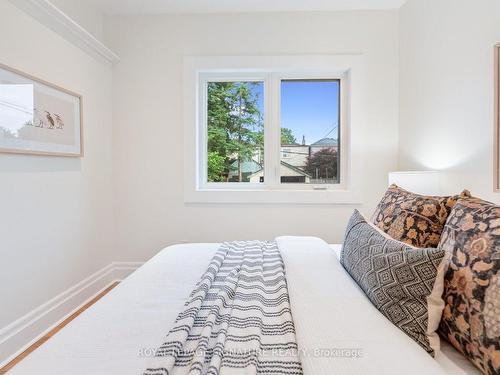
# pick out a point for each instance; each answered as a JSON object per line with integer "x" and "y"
{"x": 332, "y": 197}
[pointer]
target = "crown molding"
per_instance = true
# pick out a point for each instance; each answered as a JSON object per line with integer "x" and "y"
{"x": 53, "y": 18}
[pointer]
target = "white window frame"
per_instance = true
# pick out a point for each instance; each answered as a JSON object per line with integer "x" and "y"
{"x": 198, "y": 71}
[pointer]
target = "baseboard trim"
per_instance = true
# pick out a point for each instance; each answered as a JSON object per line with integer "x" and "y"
{"x": 26, "y": 330}
{"x": 122, "y": 269}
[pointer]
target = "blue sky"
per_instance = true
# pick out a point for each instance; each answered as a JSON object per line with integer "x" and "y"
{"x": 309, "y": 108}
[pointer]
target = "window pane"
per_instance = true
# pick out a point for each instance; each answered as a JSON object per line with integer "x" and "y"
{"x": 235, "y": 132}
{"x": 310, "y": 131}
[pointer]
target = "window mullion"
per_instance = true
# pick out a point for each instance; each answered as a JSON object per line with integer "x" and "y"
{"x": 272, "y": 131}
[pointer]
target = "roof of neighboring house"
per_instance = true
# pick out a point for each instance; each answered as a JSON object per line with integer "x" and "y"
{"x": 326, "y": 142}
{"x": 293, "y": 145}
{"x": 250, "y": 166}
{"x": 295, "y": 169}
{"x": 289, "y": 166}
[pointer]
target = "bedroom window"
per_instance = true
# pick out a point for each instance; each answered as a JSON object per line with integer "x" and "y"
{"x": 275, "y": 129}
{"x": 270, "y": 131}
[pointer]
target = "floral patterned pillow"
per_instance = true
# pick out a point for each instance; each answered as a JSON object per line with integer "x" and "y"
{"x": 415, "y": 219}
{"x": 471, "y": 316}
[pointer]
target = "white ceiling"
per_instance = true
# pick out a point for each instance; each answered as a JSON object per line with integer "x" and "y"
{"x": 218, "y": 6}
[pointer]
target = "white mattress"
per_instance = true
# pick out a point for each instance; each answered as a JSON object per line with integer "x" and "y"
{"x": 116, "y": 335}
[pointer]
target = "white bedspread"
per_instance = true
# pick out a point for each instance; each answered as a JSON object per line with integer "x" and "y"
{"x": 116, "y": 335}
{"x": 331, "y": 311}
{"x": 449, "y": 359}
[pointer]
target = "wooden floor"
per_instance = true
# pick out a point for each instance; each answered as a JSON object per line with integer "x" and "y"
{"x": 53, "y": 331}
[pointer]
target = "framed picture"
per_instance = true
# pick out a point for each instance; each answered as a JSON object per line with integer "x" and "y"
{"x": 37, "y": 117}
{"x": 496, "y": 172}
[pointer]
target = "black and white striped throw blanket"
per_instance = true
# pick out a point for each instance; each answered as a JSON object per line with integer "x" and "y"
{"x": 237, "y": 320}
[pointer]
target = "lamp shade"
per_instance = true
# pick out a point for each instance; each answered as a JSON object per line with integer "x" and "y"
{"x": 419, "y": 182}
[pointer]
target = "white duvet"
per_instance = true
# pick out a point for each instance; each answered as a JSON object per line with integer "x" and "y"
{"x": 331, "y": 311}
{"x": 338, "y": 329}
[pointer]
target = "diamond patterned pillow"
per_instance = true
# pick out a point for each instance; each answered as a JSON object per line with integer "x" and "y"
{"x": 415, "y": 219}
{"x": 471, "y": 317}
{"x": 403, "y": 282}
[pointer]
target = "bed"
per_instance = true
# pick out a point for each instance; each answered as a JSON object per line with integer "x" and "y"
{"x": 120, "y": 333}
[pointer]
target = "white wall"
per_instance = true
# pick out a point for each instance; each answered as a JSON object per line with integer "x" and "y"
{"x": 446, "y": 90}
{"x": 55, "y": 213}
{"x": 148, "y": 141}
